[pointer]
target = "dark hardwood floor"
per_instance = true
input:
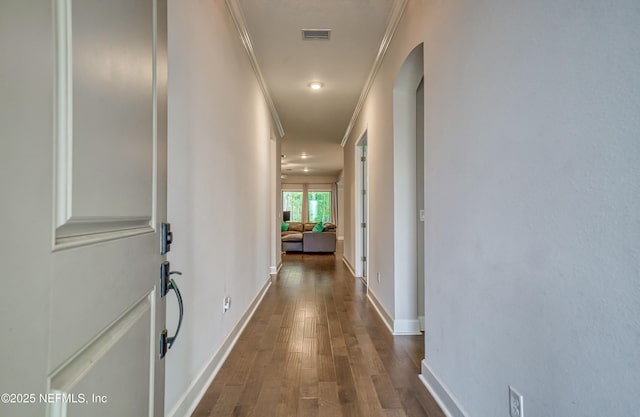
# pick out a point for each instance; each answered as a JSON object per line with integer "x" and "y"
{"x": 315, "y": 347}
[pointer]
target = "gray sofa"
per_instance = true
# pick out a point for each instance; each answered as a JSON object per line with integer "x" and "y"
{"x": 299, "y": 237}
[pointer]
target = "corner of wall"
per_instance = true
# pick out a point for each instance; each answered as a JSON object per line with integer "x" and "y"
{"x": 397, "y": 327}
{"x": 440, "y": 393}
{"x": 382, "y": 312}
{"x": 406, "y": 327}
{"x": 348, "y": 265}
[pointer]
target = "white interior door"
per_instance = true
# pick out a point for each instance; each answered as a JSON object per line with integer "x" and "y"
{"x": 85, "y": 124}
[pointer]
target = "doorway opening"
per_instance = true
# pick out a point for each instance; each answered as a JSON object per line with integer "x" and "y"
{"x": 420, "y": 202}
{"x": 408, "y": 171}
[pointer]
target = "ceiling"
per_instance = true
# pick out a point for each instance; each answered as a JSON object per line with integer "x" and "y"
{"x": 315, "y": 122}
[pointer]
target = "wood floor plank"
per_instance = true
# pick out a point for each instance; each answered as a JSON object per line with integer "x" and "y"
{"x": 309, "y": 353}
{"x": 387, "y": 394}
{"x": 326, "y": 368}
{"x": 316, "y": 347}
{"x": 308, "y": 407}
{"x": 397, "y": 412}
{"x": 267, "y": 399}
{"x": 367, "y": 396}
{"x": 347, "y": 393}
{"x": 310, "y": 326}
{"x": 338, "y": 346}
{"x": 427, "y": 402}
{"x": 309, "y": 383}
{"x": 329, "y": 404}
{"x": 323, "y": 340}
{"x": 243, "y": 367}
{"x": 225, "y": 405}
{"x": 369, "y": 351}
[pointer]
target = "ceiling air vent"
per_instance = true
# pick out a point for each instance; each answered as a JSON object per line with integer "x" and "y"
{"x": 316, "y": 34}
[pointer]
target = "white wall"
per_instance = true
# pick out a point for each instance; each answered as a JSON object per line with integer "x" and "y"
{"x": 532, "y": 201}
{"x": 220, "y": 189}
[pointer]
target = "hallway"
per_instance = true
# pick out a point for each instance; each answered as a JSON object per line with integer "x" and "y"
{"x": 316, "y": 347}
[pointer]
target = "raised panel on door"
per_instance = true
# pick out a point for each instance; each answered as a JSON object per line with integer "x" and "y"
{"x": 105, "y": 114}
{"x": 110, "y": 375}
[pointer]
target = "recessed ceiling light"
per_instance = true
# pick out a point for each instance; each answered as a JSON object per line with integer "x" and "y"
{"x": 306, "y": 170}
{"x": 304, "y": 156}
{"x": 316, "y": 85}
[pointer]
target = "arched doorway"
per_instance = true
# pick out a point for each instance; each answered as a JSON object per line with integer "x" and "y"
{"x": 408, "y": 139}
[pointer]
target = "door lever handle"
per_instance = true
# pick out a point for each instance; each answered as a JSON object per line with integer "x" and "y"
{"x": 173, "y": 286}
{"x": 167, "y": 284}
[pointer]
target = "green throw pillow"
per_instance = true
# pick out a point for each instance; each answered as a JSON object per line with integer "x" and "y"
{"x": 284, "y": 226}
{"x": 318, "y": 228}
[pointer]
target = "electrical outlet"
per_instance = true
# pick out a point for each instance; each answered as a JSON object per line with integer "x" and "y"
{"x": 515, "y": 403}
{"x": 226, "y": 304}
{"x": 378, "y": 277}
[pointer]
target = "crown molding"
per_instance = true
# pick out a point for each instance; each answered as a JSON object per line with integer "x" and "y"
{"x": 397, "y": 11}
{"x": 238, "y": 18}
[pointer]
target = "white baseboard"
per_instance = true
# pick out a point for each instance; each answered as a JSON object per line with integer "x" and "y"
{"x": 447, "y": 402}
{"x": 382, "y": 312}
{"x": 406, "y": 327}
{"x": 348, "y": 265}
{"x": 191, "y": 398}
{"x": 396, "y": 327}
{"x": 275, "y": 269}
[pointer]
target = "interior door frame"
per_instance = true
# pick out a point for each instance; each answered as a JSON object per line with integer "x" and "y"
{"x": 361, "y": 210}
